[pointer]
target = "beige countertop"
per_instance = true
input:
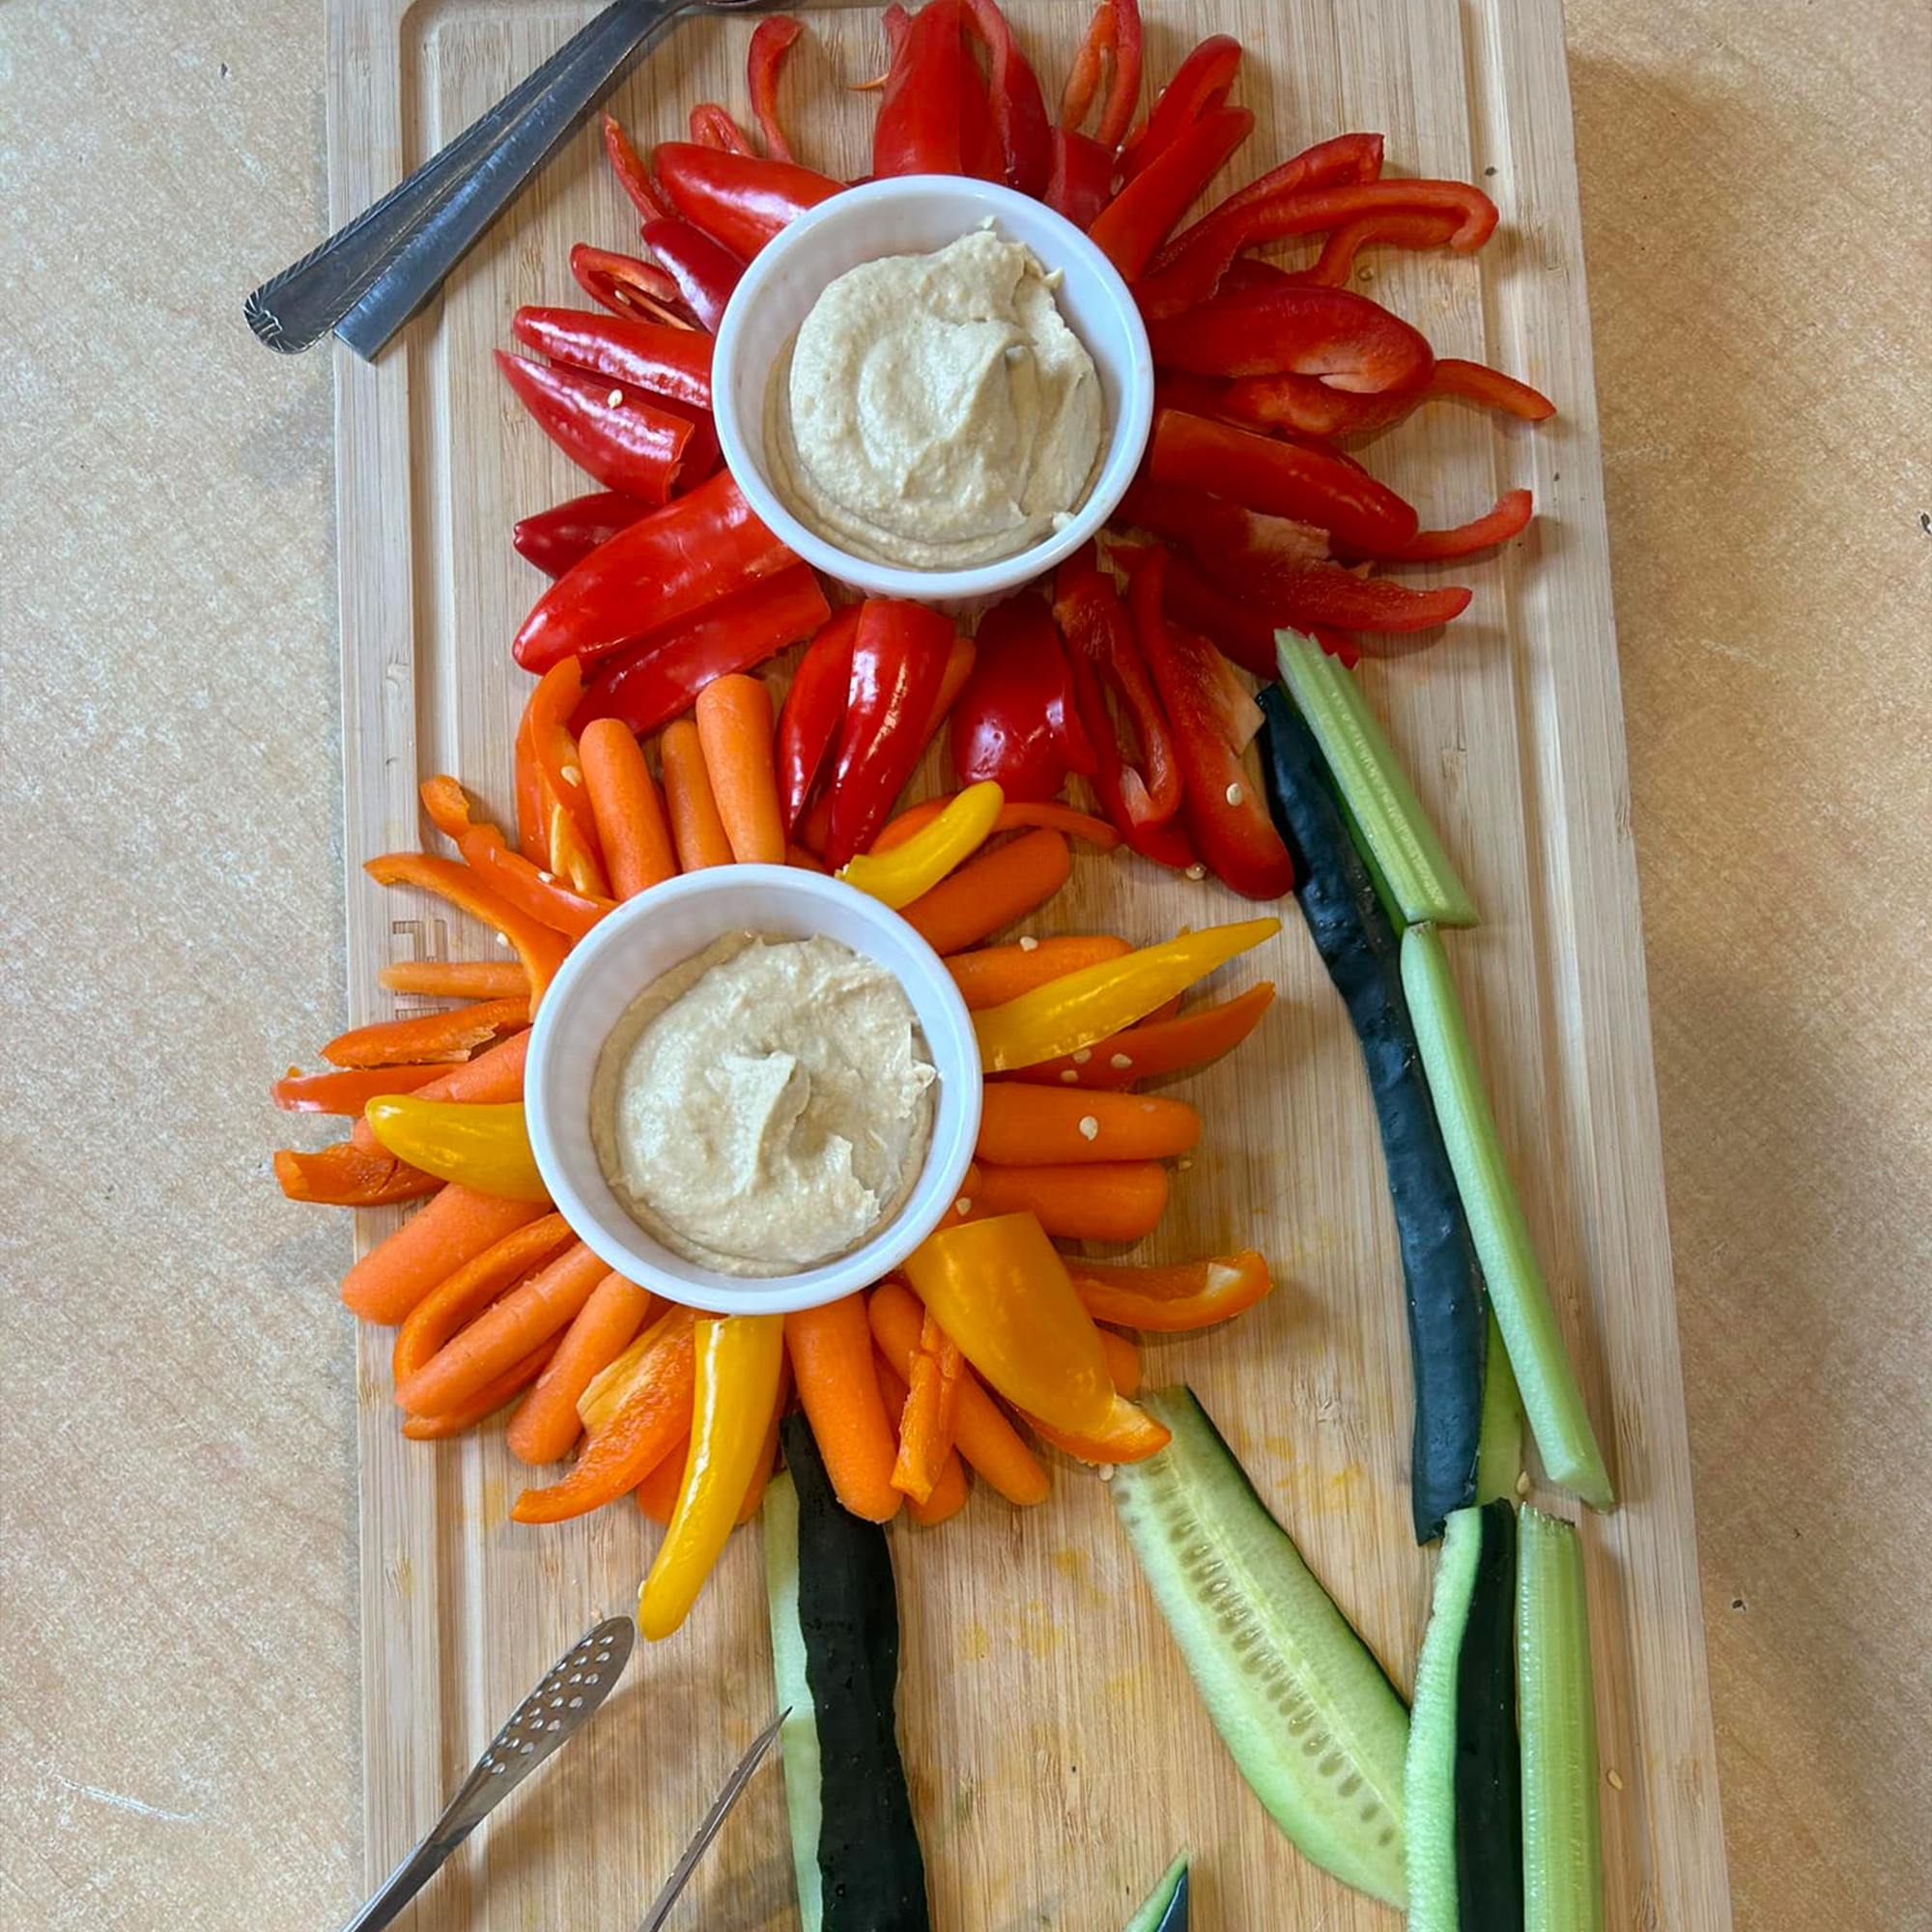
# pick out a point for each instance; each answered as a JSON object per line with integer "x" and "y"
{"x": 177, "y": 1554}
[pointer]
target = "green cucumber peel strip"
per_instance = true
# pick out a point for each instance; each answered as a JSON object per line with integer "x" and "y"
{"x": 1306, "y": 1711}
{"x": 1500, "y": 1450}
{"x": 1166, "y": 1909}
{"x": 1562, "y": 1836}
{"x": 1405, "y": 852}
{"x": 1519, "y": 1294}
{"x": 798, "y": 1735}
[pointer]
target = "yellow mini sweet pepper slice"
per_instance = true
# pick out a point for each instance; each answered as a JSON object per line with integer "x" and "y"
{"x": 483, "y": 1146}
{"x": 738, "y": 1359}
{"x": 907, "y": 872}
{"x": 1079, "y": 1007}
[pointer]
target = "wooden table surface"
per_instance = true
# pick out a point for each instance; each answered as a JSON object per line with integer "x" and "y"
{"x": 177, "y": 1552}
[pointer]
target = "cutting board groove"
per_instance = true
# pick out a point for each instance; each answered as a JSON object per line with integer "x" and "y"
{"x": 1056, "y": 1750}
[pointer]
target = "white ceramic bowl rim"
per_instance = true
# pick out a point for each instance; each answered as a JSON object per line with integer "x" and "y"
{"x": 957, "y": 204}
{"x": 645, "y": 937}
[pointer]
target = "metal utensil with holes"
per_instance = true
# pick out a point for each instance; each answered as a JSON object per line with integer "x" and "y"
{"x": 542, "y": 1725}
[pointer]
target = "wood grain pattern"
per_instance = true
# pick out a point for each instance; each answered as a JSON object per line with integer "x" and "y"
{"x": 1056, "y": 1749}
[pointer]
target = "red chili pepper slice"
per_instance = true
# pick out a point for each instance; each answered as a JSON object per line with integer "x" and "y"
{"x": 1200, "y": 83}
{"x": 698, "y": 547}
{"x": 627, "y": 286}
{"x": 1265, "y": 473}
{"x": 770, "y": 42}
{"x": 659, "y": 678}
{"x": 813, "y": 709}
{"x": 1012, "y": 722}
{"x": 1401, "y": 227}
{"x": 738, "y": 200}
{"x": 1222, "y": 807}
{"x": 704, "y": 271}
{"x": 712, "y": 127}
{"x": 1346, "y": 340}
{"x": 1080, "y": 177}
{"x": 633, "y": 177}
{"x": 1140, "y": 217}
{"x": 555, "y": 539}
{"x": 1020, "y": 122}
{"x": 619, "y": 435}
{"x": 918, "y": 128}
{"x": 898, "y": 658}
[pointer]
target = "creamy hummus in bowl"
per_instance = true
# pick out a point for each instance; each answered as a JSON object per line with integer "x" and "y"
{"x": 752, "y": 1089}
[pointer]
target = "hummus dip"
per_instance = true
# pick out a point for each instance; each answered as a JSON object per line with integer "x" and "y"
{"x": 766, "y": 1106}
{"x": 935, "y": 410}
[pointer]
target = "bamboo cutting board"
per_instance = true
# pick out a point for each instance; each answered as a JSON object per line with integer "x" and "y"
{"x": 1057, "y": 1752}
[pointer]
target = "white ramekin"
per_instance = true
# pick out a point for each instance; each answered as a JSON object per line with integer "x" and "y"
{"x": 913, "y": 214}
{"x": 648, "y": 935}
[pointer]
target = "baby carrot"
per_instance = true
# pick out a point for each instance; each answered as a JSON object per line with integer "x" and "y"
{"x": 458, "y": 1224}
{"x": 457, "y": 979}
{"x": 734, "y": 726}
{"x": 993, "y": 975}
{"x": 982, "y": 1432}
{"x": 1035, "y": 1126}
{"x": 1123, "y": 1361}
{"x": 830, "y": 1350}
{"x": 456, "y": 1302}
{"x": 948, "y": 1490}
{"x": 546, "y": 1422}
{"x": 1109, "y": 1201}
{"x": 624, "y": 801}
{"x": 990, "y": 892}
{"x": 695, "y": 826}
{"x": 506, "y": 1331}
{"x": 487, "y": 1400}
{"x": 453, "y": 1034}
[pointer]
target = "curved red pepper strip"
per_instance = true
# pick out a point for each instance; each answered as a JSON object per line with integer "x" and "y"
{"x": 557, "y": 538}
{"x": 770, "y": 39}
{"x": 1347, "y": 340}
{"x": 1200, "y": 86}
{"x": 1312, "y": 408}
{"x": 1140, "y": 217}
{"x": 738, "y": 200}
{"x": 1237, "y": 624}
{"x": 627, "y": 286}
{"x": 895, "y": 23}
{"x": 659, "y": 678}
{"x": 813, "y": 709}
{"x": 1080, "y": 179}
{"x": 615, "y": 433}
{"x": 712, "y": 127}
{"x": 1490, "y": 387}
{"x": 918, "y": 128}
{"x": 1114, "y": 30}
{"x": 1021, "y": 124}
{"x": 1399, "y": 227}
{"x": 633, "y": 177}
{"x": 1340, "y": 160}
{"x": 704, "y": 271}
{"x": 1083, "y": 75}
{"x": 1511, "y": 517}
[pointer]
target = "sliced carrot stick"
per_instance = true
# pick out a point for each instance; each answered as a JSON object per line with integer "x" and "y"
{"x": 1123, "y": 1361}
{"x": 734, "y": 726}
{"x": 453, "y": 1034}
{"x": 1109, "y": 1201}
{"x": 1035, "y": 1126}
{"x": 932, "y": 1413}
{"x": 1021, "y": 816}
{"x": 540, "y": 949}
{"x": 948, "y": 1490}
{"x": 830, "y": 1350}
{"x": 991, "y": 892}
{"x": 984, "y": 1436}
{"x": 506, "y": 1331}
{"x": 456, "y": 1302}
{"x": 993, "y": 975}
{"x": 545, "y": 1426}
{"x": 696, "y": 827}
{"x": 428, "y": 1248}
{"x": 486, "y": 1402}
{"x": 457, "y": 979}
{"x": 630, "y": 814}
{"x": 1156, "y": 1046}
{"x": 349, "y": 1175}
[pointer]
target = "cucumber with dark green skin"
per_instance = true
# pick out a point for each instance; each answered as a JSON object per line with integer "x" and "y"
{"x": 1448, "y": 1311}
{"x": 1462, "y": 1789}
{"x": 835, "y": 1655}
{"x": 1165, "y": 1907}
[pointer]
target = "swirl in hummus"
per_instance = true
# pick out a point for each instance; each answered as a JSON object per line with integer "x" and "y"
{"x": 936, "y": 412}
{"x": 763, "y": 1107}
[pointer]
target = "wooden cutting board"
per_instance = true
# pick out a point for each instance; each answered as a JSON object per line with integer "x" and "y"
{"x": 1057, "y": 1752}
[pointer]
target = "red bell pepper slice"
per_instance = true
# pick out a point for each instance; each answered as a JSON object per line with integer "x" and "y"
{"x": 813, "y": 709}
{"x": 1080, "y": 178}
{"x": 1222, "y": 807}
{"x": 1201, "y": 84}
{"x": 1490, "y": 387}
{"x": 771, "y": 39}
{"x": 617, "y": 435}
{"x": 1239, "y": 626}
{"x": 1140, "y": 217}
{"x": 898, "y": 658}
{"x": 667, "y": 361}
{"x": 1198, "y": 264}
{"x": 1338, "y": 161}
{"x": 738, "y": 200}
{"x": 633, "y": 177}
{"x": 1348, "y": 341}
{"x": 1510, "y": 518}
{"x": 1012, "y": 722}
{"x": 1265, "y": 473}
{"x": 659, "y": 678}
{"x": 1401, "y": 227}
{"x": 1114, "y": 30}
{"x": 1117, "y": 785}
{"x": 704, "y": 271}
{"x": 1020, "y": 123}
{"x": 712, "y": 127}
{"x": 918, "y": 131}
{"x": 698, "y": 547}
{"x": 557, "y": 538}
{"x": 627, "y": 286}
